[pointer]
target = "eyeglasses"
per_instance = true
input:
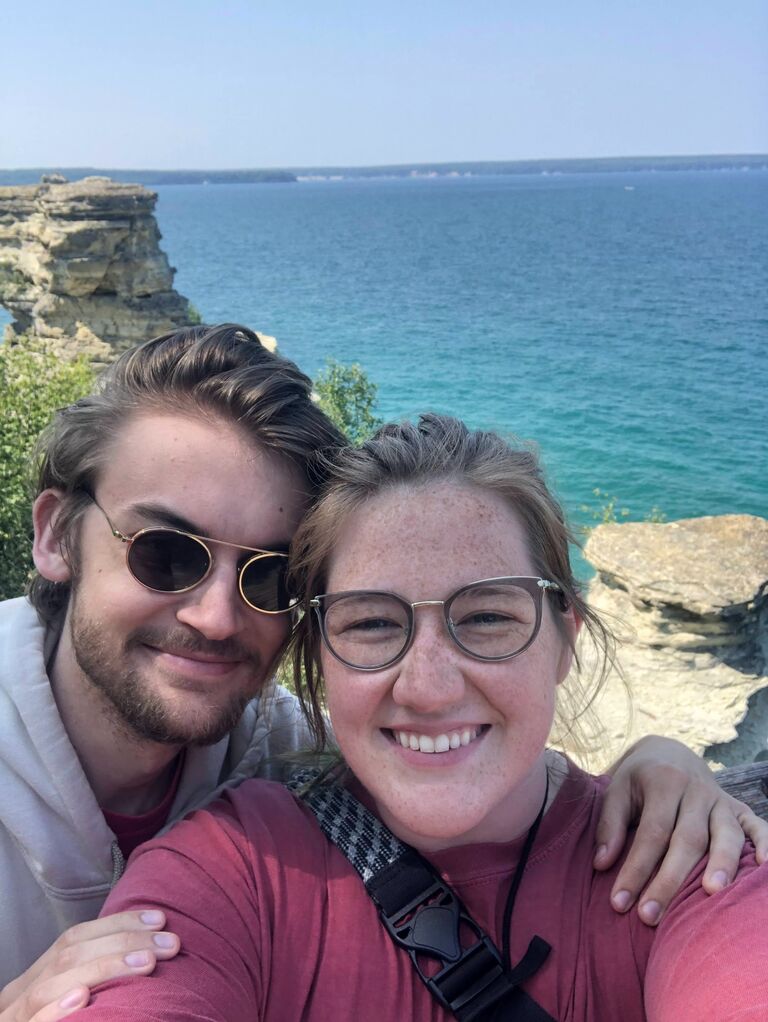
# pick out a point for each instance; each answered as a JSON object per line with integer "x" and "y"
{"x": 493, "y": 619}
{"x": 168, "y": 560}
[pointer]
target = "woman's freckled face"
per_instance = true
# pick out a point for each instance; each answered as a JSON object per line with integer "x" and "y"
{"x": 424, "y": 543}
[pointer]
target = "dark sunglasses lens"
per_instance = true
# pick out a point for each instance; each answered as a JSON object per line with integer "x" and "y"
{"x": 168, "y": 561}
{"x": 263, "y": 583}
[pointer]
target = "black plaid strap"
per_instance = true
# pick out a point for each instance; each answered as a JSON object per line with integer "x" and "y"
{"x": 364, "y": 840}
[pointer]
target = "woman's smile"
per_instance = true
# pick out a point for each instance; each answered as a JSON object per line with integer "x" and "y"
{"x": 444, "y": 741}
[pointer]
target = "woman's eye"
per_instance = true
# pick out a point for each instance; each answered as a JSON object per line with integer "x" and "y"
{"x": 487, "y": 618}
{"x": 372, "y": 625}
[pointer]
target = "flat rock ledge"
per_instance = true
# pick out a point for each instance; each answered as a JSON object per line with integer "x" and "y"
{"x": 81, "y": 266}
{"x": 688, "y": 602}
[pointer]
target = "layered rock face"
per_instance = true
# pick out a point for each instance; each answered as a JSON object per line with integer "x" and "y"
{"x": 81, "y": 265}
{"x": 688, "y": 601}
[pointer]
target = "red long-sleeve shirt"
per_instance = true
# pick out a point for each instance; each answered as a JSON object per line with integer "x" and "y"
{"x": 276, "y": 925}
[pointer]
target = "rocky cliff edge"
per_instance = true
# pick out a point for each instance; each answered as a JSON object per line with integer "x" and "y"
{"x": 81, "y": 265}
{"x": 688, "y": 601}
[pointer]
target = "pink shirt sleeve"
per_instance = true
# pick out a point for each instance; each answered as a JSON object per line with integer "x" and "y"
{"x": 709, "y": 961}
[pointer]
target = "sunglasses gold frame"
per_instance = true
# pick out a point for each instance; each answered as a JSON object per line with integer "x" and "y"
{"x": 203, "y": 542}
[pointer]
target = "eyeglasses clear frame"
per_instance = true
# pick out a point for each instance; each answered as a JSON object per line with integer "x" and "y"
{"x": 532, "y": 584}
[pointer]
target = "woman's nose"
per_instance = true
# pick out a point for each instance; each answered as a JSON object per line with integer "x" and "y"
{"x": 430, "y": 676}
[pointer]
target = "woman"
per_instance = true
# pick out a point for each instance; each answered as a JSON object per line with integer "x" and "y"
{"x": 440, "y": 622}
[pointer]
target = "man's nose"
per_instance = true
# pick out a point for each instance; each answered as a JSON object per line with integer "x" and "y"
{"x": 214, "y": 608}
{"x": 430, "y": 677}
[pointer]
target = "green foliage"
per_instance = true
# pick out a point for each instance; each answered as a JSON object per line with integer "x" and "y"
{"x": 348, "y": 398}
{"x": 655, "y": 515}
{"x": 34, "y": 383}
{"x": 607, "y": 512}
{"x": 193, "y": 315}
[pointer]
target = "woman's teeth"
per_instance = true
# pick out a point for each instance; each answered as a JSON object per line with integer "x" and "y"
{"x": 436, "y": 743}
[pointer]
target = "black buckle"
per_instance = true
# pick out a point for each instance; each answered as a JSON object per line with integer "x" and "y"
{"x": 429, "y": 925}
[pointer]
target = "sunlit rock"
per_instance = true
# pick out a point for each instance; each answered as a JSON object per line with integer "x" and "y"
{"x": 81, "y": 265}
{"x": 688, "y": 601}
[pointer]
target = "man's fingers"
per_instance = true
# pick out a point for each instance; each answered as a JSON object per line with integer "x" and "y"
{"x": 120, "y": 922}
{"x": 611, "y": 832}
{"x": 755, "y": 829}
{"x": 142, "y": 921}
{"x": 57, "y": 997}
{"x": 687, "y": 847}
{"x": 727, "y": 842}
{"x": 71, "y": 956}
{"x": 649, "y": 844}
{"x": 73, "y": 968}
{"x": 74, "y": 999}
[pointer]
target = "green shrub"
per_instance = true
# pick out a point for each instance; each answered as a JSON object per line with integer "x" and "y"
{"x": 607, "y": 512}
{"x": 348, "y": 398}
{"x": 34, "y": 383}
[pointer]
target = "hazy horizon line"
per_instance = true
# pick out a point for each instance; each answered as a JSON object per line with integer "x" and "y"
{"x": 393, "y": 166}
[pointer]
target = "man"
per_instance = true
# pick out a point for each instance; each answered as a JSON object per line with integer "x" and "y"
{"x": 123, "y": 708}
{"x": 135, "y": 681}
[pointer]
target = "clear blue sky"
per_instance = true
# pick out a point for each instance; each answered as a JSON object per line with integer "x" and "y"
{"x": 257, "y": 83}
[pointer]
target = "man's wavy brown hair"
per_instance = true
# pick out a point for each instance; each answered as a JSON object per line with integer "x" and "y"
{"x": 221, "y": 373}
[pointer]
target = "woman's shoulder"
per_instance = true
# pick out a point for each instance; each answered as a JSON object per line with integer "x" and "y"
{"x": 255, "y": 824}
{"x": 254, "y": 809}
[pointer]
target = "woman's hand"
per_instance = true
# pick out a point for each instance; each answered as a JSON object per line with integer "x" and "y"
{"x": 60, "y": 981}
{"x": 681, "y": 814}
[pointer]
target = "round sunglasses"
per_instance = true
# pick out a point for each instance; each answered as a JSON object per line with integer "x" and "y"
{"x": 168, "y": 560}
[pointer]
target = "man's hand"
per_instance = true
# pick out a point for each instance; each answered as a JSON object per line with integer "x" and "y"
{"x": 681, "y": 814}
{"x": 60, "y": 981}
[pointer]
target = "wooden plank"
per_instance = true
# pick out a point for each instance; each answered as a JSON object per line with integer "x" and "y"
{"x": 749, "y": 783}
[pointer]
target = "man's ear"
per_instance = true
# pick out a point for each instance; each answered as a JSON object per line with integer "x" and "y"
{"x": 47, "y": 551}
{"x": 571, "y": 625}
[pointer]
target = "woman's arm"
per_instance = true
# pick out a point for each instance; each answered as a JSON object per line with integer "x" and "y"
{"x": 681, "y": 814}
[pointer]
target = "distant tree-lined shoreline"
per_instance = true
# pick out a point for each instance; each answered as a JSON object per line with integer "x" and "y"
{"x": 597, "y": 165}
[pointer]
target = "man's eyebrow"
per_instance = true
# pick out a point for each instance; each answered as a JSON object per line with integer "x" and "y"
{"x": 163, "y": 515}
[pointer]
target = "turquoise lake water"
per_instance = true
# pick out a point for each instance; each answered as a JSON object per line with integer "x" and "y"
{"x": 620, "y": 320}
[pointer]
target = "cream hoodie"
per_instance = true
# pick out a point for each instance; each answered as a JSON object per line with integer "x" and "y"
{"x": 58, "y": 857}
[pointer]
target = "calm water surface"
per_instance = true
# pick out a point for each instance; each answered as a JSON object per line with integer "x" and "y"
{"x": 620, "y": 320}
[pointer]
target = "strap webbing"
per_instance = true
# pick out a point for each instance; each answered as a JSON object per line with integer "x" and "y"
{"x": 422, "y": 914}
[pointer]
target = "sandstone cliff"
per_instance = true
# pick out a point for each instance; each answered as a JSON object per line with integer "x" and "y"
{"x": 81, "y": 265}
{"x": 689, "y": 603}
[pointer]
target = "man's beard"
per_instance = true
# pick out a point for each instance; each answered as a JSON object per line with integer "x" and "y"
{"x": 140, "y": 712}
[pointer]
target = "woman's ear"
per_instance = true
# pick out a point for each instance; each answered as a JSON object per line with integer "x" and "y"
{"x": 570, "y": 625}
{"x": 47, "y": 551}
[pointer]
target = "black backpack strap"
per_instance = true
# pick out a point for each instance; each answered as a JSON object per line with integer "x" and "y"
{"x": 423, "y": 915}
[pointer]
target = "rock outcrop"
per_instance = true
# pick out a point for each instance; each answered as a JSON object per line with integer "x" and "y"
{"x": 81, "y": 265}
{"x": 688, "y": 601}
